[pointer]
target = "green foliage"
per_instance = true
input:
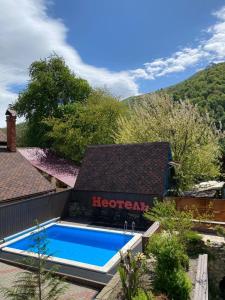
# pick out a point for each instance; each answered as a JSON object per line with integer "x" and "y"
{"x": 142, "y": 295}
{"x": 193, "y": 237}
{"x": 172, "y": 262}
{"x": 82, "y": 124}
{"x": 131, "y": 269}
{"x": 21, "y": 135}
{"x": 206, "y": 89}
{"x": 194, "y": 243}
{"x": 192, "y": 136}
{"x": 21, "y": 130}
{"x": 173, "y": 221}
{"x": 177, "y": 285}
{"x": 40, "y": 284}
{"x": 180, "y": 224}
{"x": 51, "y": 85}
{"x": 169, "y": 252}
{"x": 220, "y": 231}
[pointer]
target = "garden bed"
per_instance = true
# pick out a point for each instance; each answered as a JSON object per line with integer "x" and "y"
{"x": 113, "y": 290}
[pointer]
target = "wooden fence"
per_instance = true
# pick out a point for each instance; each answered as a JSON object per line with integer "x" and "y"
{"x": 203, "y": 205}
{"x": 20, "y": 215}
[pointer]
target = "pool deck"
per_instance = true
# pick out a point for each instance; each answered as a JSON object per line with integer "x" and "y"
{"x": 8, "y": 274}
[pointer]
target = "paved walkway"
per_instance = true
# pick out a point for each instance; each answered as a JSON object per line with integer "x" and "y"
{"x": 8, "y": 274}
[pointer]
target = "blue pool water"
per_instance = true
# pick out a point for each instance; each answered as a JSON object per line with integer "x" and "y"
{"x": 79, "y": 244}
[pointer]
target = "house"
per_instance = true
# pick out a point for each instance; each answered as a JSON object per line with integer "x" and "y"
{"x": 18, "y": 178}
{"x": 117, "y": 183}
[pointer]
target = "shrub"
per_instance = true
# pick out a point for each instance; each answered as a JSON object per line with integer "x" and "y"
{"x": 168, "y": 251}
{"x": 176, "y": 222}
{"x": 131, "y": 269}
{"x": 176, "y": 284}
{"x": 171, "y": 262}
{"x": 193, "y": 237}
{"x": 194, "y": 244}
{"x": 142, "y": 295}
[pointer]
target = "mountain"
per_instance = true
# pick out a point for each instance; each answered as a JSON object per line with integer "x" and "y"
{"x": 206, "y": 88}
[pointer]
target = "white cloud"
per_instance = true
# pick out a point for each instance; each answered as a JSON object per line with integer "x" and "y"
{"x": 211, "y": 49}
{"x": 178, "y": 62}
{"x": 28, "y": 34}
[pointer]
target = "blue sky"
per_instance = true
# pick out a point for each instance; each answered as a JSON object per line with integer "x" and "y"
{"x": 123, "y": 35}
{"x": 127, "y": 46}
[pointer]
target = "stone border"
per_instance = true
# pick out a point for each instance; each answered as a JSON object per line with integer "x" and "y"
{"x": 201, "y": 285}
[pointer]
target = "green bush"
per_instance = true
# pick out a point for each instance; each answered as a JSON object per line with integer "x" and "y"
{"x": 193, "y": 237}
{"x": 176, "y": 285}
{"x": 142, "y": 295}
{"x": 194, "y": 243}
{"x": 171, "y": 263}
{"x": 168, "y": 251}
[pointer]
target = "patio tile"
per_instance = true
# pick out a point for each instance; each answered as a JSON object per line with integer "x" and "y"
{"x": 8, "y": 274}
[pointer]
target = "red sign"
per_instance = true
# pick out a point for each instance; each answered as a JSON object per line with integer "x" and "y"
{"x": 123, "y": 204}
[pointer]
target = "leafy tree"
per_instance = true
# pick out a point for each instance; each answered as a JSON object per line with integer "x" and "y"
{"x": 192, "y": 136}
{"x": 51, "y": 85}
{"x": 40, "y": 283}
{"x": 82, "y": 124}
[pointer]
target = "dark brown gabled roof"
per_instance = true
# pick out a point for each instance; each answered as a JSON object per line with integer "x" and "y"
{"x": 130, "y": 168}
{"x": 19, "y": 179}
{"x": 3, "y": 139}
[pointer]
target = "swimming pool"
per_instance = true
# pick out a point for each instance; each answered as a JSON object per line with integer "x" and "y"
{"x": 83, "y": 247}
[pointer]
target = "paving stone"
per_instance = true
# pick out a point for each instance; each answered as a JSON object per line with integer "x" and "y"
{"x": 8, "y": 274}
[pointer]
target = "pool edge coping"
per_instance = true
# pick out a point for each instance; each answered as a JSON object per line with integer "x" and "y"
{"x": 103, "y": 269}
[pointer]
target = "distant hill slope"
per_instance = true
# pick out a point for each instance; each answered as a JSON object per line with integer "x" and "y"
{"x": 206, "y": 89}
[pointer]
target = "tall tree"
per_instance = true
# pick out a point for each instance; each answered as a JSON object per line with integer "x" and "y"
{"x": 85, "y": 124}
{"x": 51, "y": 85}
{"x": 193, "y": 138}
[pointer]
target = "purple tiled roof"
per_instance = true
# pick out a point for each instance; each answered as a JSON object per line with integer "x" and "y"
{"x": 48, "y": 162}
